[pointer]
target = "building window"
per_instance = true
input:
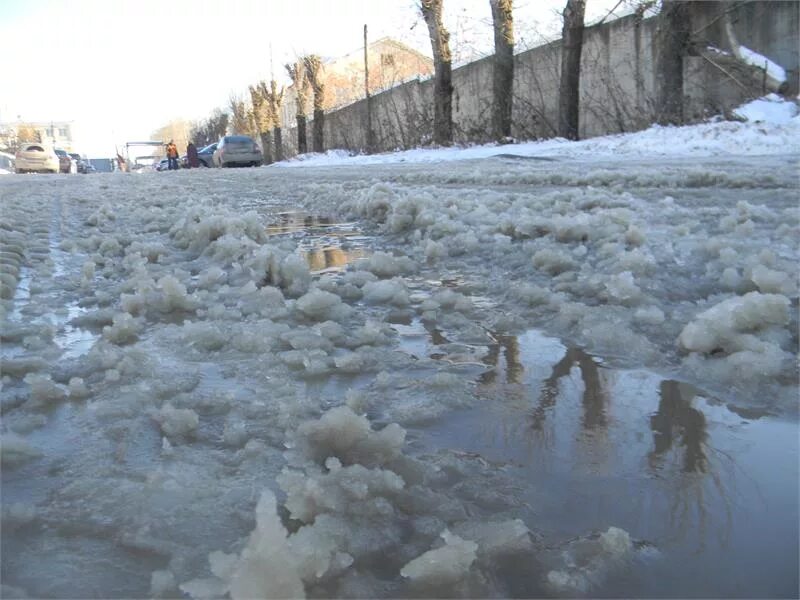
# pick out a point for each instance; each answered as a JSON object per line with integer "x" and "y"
{"x": 49, "y": 132}
{"x": 387, "y": 60}
{"x": 62, "y": 132}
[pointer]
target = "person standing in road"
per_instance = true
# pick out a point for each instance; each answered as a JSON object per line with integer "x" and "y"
{"x": 191, "y": 156}
{"x": 172, "y": 156}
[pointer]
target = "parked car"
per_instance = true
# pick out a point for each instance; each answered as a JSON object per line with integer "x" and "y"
{"x": 238, "y": 150}
{"x": 206, "y": 155}
{"x": 162, "y": 165}
{"x": 36, "y": 157}
{"x": 66, "y": 164}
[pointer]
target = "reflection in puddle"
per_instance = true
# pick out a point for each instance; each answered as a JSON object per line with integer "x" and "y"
{"x": 599, "y": 447}
{"x": 325, "y": 244}
{"x": 321, "y": 260}
{"x": 291, "y": 222}
{"x": 503, "y": 356}
{"x": 593, "y": 398}
{"x": 677, "y": 425}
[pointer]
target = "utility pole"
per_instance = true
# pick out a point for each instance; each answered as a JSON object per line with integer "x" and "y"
{"x": 370, "y": 140}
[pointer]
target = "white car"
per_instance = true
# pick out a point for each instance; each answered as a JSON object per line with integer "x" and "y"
{"x": 238, "y": 150}
{"x": 36, "y": 157}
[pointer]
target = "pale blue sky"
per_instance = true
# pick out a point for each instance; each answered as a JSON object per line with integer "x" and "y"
{"x": 120, "y": 69}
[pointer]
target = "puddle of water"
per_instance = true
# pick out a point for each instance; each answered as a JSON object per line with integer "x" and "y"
{"x": 327, "y": 245}
{"x": 294, "y": 222}
{"x": 331, "y": 258}
{"x": 75, "y": 341}
{"x": 594, "y": 447}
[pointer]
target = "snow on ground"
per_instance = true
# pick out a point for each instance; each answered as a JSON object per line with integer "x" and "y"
{"x": 188, "y": 408}
{"x": 771, "y": 126}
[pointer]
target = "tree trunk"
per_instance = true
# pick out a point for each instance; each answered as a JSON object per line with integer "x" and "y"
{"x": 314, "y": 71}
{"x": 443, "y": 80}
{"x": 302, "y": 143}
{"x": 266, "y": 147}
{"x": 672, "y": 39}
{"x": 278, "y": 136}
{"x": 569, "y": 87}
{"x": 319, "y": 123}
{"x": 370, "y": 144}
{"x": 503, "y": 75}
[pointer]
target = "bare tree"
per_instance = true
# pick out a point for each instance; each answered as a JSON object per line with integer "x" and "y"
{"x": 672, "y": 44}
{"x": 275, "y": 99}
{"x": 442, "y": 66}
{"x": 240, "y": 119}
{"x": 503, "y": 75}
{"x": 313, "y": 65}
{"x": 262, "y": 118}
{"x": 210, "y": 129}
{"x": 297, "y": 73}
{"x": 27, "y": 133}
{"x": 569, "y": 87}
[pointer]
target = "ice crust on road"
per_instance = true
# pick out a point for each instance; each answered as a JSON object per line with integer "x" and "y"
{"x": 178, "y": 364}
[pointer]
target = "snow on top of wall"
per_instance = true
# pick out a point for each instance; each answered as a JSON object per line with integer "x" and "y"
{"x": 771, "y": 126}
{"x": 774, "y": 70}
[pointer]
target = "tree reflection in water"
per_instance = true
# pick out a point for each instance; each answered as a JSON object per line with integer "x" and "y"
{"x": 594, "y": 398}
{"x": 684, "y": 485}
{"x": 509, "y": 344}
{"x": 701, "y": 480}
{"x": 676, "y": 422}
{"x": 691, "y": 481}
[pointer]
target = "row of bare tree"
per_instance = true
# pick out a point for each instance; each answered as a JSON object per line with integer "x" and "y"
{"x": 260, "y": 115}
{"x": 673, "y": 44}
{"x": 503, "y": 77}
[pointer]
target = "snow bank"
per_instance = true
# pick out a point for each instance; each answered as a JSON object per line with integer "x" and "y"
{"x": 771, "y": 127}
{"x": 769, "y": 109}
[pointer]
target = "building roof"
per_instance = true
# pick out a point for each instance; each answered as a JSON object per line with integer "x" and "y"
{"x": 384, "y": 41}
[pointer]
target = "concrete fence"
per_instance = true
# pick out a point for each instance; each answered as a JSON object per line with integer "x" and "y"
{"x": 616, "y": 90}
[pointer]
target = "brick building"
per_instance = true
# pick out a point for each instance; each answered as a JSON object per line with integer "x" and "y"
{"x": 390, "y": 63}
